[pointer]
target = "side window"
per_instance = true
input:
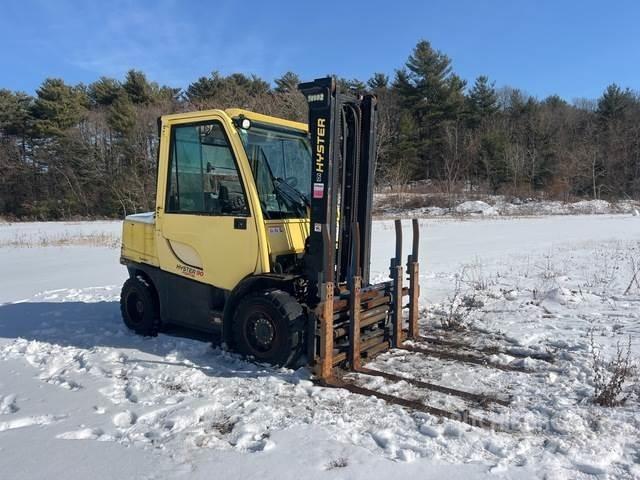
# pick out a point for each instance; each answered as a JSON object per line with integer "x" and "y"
{"x": 203, "y": 176}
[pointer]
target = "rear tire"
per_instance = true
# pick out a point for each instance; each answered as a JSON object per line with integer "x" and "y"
{"x": 139, "y": 307}
{"x": 269, "y": 326}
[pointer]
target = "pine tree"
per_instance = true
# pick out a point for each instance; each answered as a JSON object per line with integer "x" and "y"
{"x": 203, "y": 89}
{"x": 491, "y": 163}
{"x": 287, "y": 83}
{"x": 104, "y": 91}
{"x": 555, "y": 102}
{"x": 614, "y": 102}
{"x": 15, "y": 115}
{"x": 122, "y": 115}
{"x": 433, "y": 95}
{"x": 57, "y": 107}
{"x": 424, "y": 82}
{"x": 455, "y": 104}
{"x": 378, "y": 81}
{"x": 166, "y": 94}
{"x": 357, "y": 87}
{"x": 251, "y": 85}
{"x": 139, "y": 90}
{"x": 482, "y": 101}
{"x": 353, "y": 86}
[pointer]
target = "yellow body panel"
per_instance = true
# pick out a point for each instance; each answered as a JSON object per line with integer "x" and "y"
{"x": 287, "y": 236}
{"x": 138, "y": 239}
{"x": 208, "y": 248}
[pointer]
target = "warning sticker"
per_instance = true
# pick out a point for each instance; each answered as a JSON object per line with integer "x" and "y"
{"x": 317, "y": 227}
{"x": 318, "y": 190}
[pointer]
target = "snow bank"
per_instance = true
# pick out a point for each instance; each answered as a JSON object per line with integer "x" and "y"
{"x": 476, "y": 207}
{"x": 591, "y": 206}
{"x": 404, "y": 205}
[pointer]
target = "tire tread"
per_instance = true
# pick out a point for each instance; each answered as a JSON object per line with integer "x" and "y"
{"x": 290, "y": 309}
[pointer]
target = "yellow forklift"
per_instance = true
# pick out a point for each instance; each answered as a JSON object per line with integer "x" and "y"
{"x": 261, "y": 236}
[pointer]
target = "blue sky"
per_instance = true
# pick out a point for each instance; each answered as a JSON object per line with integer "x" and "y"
{"x": 572, "y": 48}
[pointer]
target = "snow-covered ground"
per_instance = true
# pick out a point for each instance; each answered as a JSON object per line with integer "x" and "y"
{"x": 81, "y": 396}
{"x": 422, "y": 205}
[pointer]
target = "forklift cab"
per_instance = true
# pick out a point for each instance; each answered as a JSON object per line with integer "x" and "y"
{"x": 232, "y": 196}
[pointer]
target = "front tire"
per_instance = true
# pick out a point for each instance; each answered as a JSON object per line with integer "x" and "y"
{"x": 269, "y": 326}
{"x": 139, "y": 307}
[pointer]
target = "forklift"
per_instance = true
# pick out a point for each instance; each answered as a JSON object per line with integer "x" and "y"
{"x": 261, "y": 237}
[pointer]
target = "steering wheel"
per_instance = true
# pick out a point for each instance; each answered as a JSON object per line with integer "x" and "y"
{"x": 292, "y": 181}
{"x": 231, "y": 202}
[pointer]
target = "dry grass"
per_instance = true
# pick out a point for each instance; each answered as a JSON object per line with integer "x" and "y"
{"x": 456, "y": 314}
{"x": 224, "y": 426}
{"x": 474, "y": 276}
{"x": 634, "y": 267}
{"x": 408, "y": 201}
{"x": 609, "y": 376}
{"x": 546, "y": 278}
{"x": 339, "y": 462}
{"x": 62, "y": 240}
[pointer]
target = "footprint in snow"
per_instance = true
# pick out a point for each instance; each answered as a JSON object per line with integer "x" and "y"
{"x": 29, "y": 421}
{"x": 8, "y": 404}
{"x": 61, "y": 381}
{"x": 82, "y": 434}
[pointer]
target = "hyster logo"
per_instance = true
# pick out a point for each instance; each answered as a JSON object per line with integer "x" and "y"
{"x": 320, "y": 134}
{"x": 189, "y": 271}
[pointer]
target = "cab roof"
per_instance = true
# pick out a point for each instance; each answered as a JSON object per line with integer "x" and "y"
{"x": 236, "y": 112}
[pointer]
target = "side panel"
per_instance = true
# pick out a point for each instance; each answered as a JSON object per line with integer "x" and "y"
{"x": 210, "y": 250}
{"x": 287, "y": 236}
{"x": 189, "y": 303}
{"x": 184, "y": 301}
{"x": 138, "y": 242}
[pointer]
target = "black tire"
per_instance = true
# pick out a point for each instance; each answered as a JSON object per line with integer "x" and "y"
{"x": 139, "y": 307}
{"x": 269, "y": 326}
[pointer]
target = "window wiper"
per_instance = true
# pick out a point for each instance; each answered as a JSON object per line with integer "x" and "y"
{"x": 282, "y": 189}
{"x": 292, "y": 194}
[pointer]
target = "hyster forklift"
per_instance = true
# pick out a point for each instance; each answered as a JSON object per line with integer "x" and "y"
{"x": 261, "y": 236}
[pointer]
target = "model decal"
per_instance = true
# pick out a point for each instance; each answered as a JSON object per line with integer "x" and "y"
{"x": 189, "y": 271}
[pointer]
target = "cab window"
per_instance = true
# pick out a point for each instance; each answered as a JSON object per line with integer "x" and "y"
{"x": 203, "y": 174}
{"x": 281, "y": 164}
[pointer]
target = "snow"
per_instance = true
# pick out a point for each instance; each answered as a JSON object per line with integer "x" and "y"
{"x": 146, "y": 217}
{"x": 26, "y": 422}
{"x": 476, "y": 206}
{"x": 82, "y": 396}
{"x": 404, "y": 204}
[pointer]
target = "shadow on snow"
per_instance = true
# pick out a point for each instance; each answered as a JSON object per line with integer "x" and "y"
{"x": 99, "y": 325}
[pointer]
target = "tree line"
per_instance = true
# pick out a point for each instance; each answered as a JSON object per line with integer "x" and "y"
{"x": 90, "y": 150}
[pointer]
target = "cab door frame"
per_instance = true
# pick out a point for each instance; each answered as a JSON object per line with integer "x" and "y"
{"x": 254, "y": 220}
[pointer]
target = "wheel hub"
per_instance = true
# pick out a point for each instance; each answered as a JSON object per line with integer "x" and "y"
{"x": 263, "y": 331}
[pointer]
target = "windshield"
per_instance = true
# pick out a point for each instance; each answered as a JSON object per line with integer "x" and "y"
{"x": 281, "y": 164}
